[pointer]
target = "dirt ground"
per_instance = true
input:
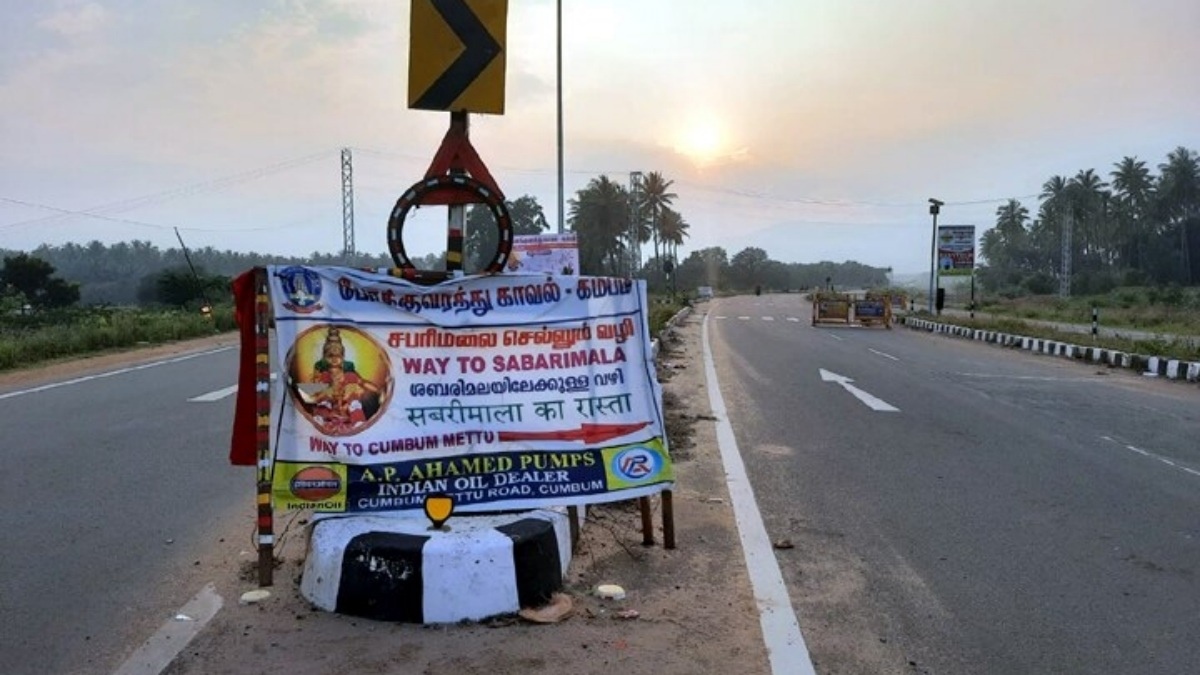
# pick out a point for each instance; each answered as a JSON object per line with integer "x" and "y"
{"x": 695, "y": 611}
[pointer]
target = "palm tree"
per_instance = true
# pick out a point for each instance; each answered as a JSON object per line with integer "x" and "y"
{"x": 1046, "y": 232}
{"x": 1134, "y": 189}
{"x": 1007, "y": 245}
{"x": 1010, "y": 220}
{"x": 673, "y": 229}
{"x": 1179, "y": 199}
{"x": 656, "y": 196}
{"x": 1089, "y": 199}
{"x": 1054, "y": 193}
{"x": 599, "y": 216}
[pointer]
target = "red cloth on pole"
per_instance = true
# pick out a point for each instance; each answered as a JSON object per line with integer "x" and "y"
{"x": 243, "y": 449}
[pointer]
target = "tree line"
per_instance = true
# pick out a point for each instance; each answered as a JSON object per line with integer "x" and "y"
{"x": 1138, "y": 228}
{"x": 622, "y": 231}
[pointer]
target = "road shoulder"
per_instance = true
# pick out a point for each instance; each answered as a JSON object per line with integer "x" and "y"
{"x": 695, "y": 610}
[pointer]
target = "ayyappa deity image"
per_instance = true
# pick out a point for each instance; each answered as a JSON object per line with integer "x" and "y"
{"x": 340, "y": 379}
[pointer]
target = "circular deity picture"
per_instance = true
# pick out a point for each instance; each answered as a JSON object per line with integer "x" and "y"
{"x": 339, "y": 378}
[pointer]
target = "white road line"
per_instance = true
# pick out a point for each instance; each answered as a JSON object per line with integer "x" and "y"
{"x": 836, "y": 337}
{"x": 221, "y": 393}
{"x": 886, "y": 356}
{"x": 1033, "y": 378}
{"x": 1145, "y": 453}
{"x": 719, "y": 317}
{"x": 156, "y": 653}
{"x": 786, "y": 649}
{"x": 872, "y": 402}
{"x": 793, "y": 319}
{"x": 121, "y": 371}
{"x": 214, "y": 395}
{"x": 744, "y": 318}
{"x": 768, "y": 318}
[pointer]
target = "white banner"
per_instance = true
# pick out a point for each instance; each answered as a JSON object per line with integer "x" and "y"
{"x": 544, "y": 254}
{"x": 507, "y": 391}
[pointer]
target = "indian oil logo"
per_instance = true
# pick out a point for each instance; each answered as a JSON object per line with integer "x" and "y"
{"x": 316, "y": 483}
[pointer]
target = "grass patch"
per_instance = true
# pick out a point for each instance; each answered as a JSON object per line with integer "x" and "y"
{"x": 46, "y": 336}
{"x": 661, "y": 310}
{"x": 1172, "y": 349}
{"x": 1172, "y": 310}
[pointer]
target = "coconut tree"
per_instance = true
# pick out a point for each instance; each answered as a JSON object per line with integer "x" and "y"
{"x": 1045, "y": 233}
{"x": 673, "y": 229}
{"x": 656, "y": 197}
{"x": 599, "y": 215}
{"x": 1089, "y": 200}
{"x": 1134, "y": 191}
{"x": 1179, "y": 200}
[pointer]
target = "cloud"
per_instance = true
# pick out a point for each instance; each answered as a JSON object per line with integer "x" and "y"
{"x": 73, "y": 21}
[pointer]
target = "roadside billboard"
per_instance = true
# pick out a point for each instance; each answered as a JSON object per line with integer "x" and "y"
{"x": 956, "y": 250}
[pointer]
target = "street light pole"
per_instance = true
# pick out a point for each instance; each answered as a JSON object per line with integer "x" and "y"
{"x": 934, "y": 207}
{"x": 561, "y": 207}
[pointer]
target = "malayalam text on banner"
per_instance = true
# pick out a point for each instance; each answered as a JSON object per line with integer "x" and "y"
{"x": 507, "y": 391}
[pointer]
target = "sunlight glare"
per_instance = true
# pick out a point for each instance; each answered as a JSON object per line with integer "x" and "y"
{"x": 702, "y": 139}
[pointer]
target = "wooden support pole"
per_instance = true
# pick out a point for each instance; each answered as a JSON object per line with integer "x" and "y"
{"x": 262, "y": 376}
{"x": 668, "y": 519}
{"x": 647, "y": 521}
{"x": 573, "y": 517}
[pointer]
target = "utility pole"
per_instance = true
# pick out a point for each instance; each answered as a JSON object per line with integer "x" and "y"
{"x": 347, "y": 206}
{"x": 457, "y": 218}
{"x": 635, "y": 230}
{"x": 561, "y": 203}
{"x": 935, "y": 207}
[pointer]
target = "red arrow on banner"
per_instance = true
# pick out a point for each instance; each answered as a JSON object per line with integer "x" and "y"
{"x": 587, "y": 433}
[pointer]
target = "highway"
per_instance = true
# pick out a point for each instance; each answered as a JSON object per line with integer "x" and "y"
{"x": 952, "y": 507}
{"x": 975, "y": 509}
{"x": 118, "y": 505}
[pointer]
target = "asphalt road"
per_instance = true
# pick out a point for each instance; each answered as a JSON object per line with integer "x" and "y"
{"x": 961, "y": 507}
{"x": 116, "y": 491}
{"x": 1011, "y": 514}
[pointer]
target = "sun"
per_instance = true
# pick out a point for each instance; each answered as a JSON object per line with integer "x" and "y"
{"x": 702, "y": 139}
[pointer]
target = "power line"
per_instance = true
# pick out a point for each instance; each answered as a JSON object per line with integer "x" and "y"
{"x": 212, "y": 185}
{"x": 748, "y": 194}
{"x": 138, "y": 223}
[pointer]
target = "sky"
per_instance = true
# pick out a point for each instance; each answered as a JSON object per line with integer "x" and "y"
{"x": 814, "y": 129}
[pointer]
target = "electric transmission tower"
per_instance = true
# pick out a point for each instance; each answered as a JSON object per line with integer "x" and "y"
{"x": 347, "y": 205}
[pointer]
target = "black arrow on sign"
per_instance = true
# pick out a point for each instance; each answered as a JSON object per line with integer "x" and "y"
{"x": 480, "y": 49}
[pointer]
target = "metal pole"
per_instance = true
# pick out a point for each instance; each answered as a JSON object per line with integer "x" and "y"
{"x": 934, "y": 207}
{"x": 1095, "y": 322}
{"x": 561, "y": 203}
{"x": 457, "y": 219}
{"x": 972, "y": 294}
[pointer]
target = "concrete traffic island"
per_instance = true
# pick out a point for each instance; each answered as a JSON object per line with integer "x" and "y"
{"x": 398, "y": 568}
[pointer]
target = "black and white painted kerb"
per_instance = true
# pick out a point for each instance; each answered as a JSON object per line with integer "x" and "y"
{"x": 395, "y": 568}
{"x": 1155, "y": 366}
{"x": 398, "y": 569}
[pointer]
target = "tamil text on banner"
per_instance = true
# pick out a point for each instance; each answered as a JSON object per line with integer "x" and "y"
{"x": 956, "y": 250}
{"x": 544, "y": 254}
{"x": 507, "y": 391}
